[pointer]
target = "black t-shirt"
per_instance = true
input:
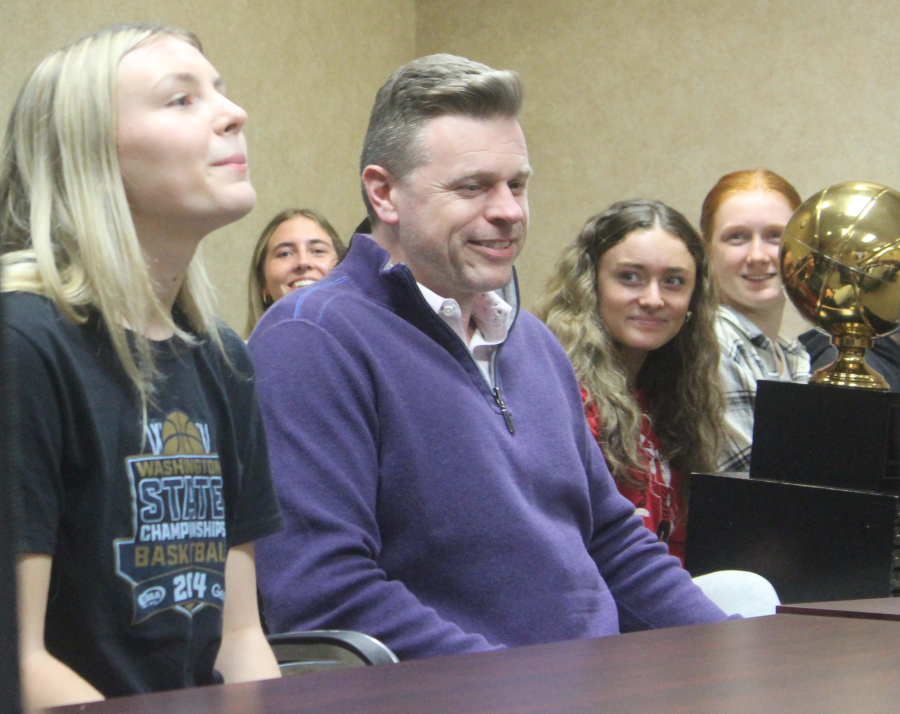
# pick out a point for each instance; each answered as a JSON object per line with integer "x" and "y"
{"x": 138, "y": 521}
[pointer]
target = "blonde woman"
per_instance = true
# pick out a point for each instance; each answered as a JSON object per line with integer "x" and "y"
{"x": 632, "y": 304}
{"x": 145, "y": 475}
{"x": 296, "y": 248}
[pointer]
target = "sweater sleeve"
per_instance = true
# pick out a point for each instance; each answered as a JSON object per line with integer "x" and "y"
{"x": 649, "y": 586}
{"x": 319, "y": 405}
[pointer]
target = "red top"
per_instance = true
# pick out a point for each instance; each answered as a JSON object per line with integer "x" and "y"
{"x": 659, "y": 498}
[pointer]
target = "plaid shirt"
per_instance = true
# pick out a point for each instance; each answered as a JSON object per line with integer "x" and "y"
{"x": 748, "y": 356}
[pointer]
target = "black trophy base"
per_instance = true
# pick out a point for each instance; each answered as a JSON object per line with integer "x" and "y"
{"x": 814, "y": 544}
{"x": 826, "y": 436}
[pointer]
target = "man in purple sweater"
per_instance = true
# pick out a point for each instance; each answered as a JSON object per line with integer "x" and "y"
{"x": 440, "y": 486}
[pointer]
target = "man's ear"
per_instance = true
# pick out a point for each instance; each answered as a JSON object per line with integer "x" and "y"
{"x": 380, "y": 185}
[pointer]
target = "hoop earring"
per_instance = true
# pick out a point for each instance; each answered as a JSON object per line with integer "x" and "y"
{"x": 687, "y": 317}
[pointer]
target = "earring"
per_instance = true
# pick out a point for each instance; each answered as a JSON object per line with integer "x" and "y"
{"x": 687, "y": 317}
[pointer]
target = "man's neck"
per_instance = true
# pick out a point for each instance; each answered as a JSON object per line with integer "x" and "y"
{"x": 386, "y": 238}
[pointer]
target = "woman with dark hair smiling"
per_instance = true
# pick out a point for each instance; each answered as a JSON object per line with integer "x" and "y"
{"x": 632, "y": 303}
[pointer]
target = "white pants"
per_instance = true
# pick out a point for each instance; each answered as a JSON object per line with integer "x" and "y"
{"x": 738, "y": 592}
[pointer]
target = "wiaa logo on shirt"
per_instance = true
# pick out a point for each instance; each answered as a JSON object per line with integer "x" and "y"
{"x": 175, "y": 557}
{"x": 152, "y": 596}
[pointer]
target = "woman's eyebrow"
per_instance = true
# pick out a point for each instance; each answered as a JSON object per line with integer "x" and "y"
{"x": 178, "y": 77}
{"x": 643, "y": 266}
{"x": 285, "y": 244}
{"x": 189, "y": 78}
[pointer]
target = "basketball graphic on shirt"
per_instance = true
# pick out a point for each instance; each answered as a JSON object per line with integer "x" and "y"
{"x": 181, "y": 436}
{"x": 174, "y": 557}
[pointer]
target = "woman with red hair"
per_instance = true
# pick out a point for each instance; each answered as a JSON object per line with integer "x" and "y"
{"x": 742, "y": 221}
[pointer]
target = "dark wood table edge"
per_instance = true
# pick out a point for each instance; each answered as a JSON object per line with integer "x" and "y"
{"x": 802, "y": 609}
{"x": 249, "y": 696}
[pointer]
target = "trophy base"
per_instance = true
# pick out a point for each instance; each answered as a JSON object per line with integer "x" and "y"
{"x": 824, "y": 435}
{"x": 839, "y": 376}
{"x": 850, "y": 368}
{"x": 813, "y": 544}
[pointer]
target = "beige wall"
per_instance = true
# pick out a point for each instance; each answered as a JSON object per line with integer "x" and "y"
{"x": 305, "y": 70}
{"x": 658, "y": 98}
{"x": 653, "y": 98}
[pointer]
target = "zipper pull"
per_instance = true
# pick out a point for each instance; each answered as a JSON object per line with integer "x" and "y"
{"x": 507, "y": 417}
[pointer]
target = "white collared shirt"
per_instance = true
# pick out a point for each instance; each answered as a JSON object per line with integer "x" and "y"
{"x": 493, "y": 318}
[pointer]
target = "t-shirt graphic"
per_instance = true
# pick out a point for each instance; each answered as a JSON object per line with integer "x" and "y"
{"x": 176, "y": 555}
{"x": 659, "y": 489}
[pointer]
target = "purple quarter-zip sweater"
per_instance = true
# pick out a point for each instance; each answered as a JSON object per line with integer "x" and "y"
{"x": 415, "y": 511}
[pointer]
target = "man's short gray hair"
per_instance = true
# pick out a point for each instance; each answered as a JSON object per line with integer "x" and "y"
{"x": 424, "y": 89}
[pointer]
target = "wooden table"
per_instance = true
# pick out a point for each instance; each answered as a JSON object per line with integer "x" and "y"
{"x": 883, "y": 608}
{"x": 782, "y": 663}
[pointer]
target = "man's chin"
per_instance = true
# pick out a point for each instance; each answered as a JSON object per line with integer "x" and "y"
{"x": 493, "y": 282}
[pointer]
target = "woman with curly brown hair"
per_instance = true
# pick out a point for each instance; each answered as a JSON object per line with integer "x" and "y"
{"x": 632, "y": 303}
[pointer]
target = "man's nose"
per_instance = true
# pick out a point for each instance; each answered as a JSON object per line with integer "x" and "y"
{"x": 506, "y": 207}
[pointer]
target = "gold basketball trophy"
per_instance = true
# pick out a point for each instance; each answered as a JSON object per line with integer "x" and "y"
{"x": 819, "y": 513}
{"x": 839, "y": 261}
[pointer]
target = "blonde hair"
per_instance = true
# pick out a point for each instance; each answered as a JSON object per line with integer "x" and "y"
{"x": 64, "y": 217}
{"x": 257, "y": 303}
{"x": 679, "y": 381}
